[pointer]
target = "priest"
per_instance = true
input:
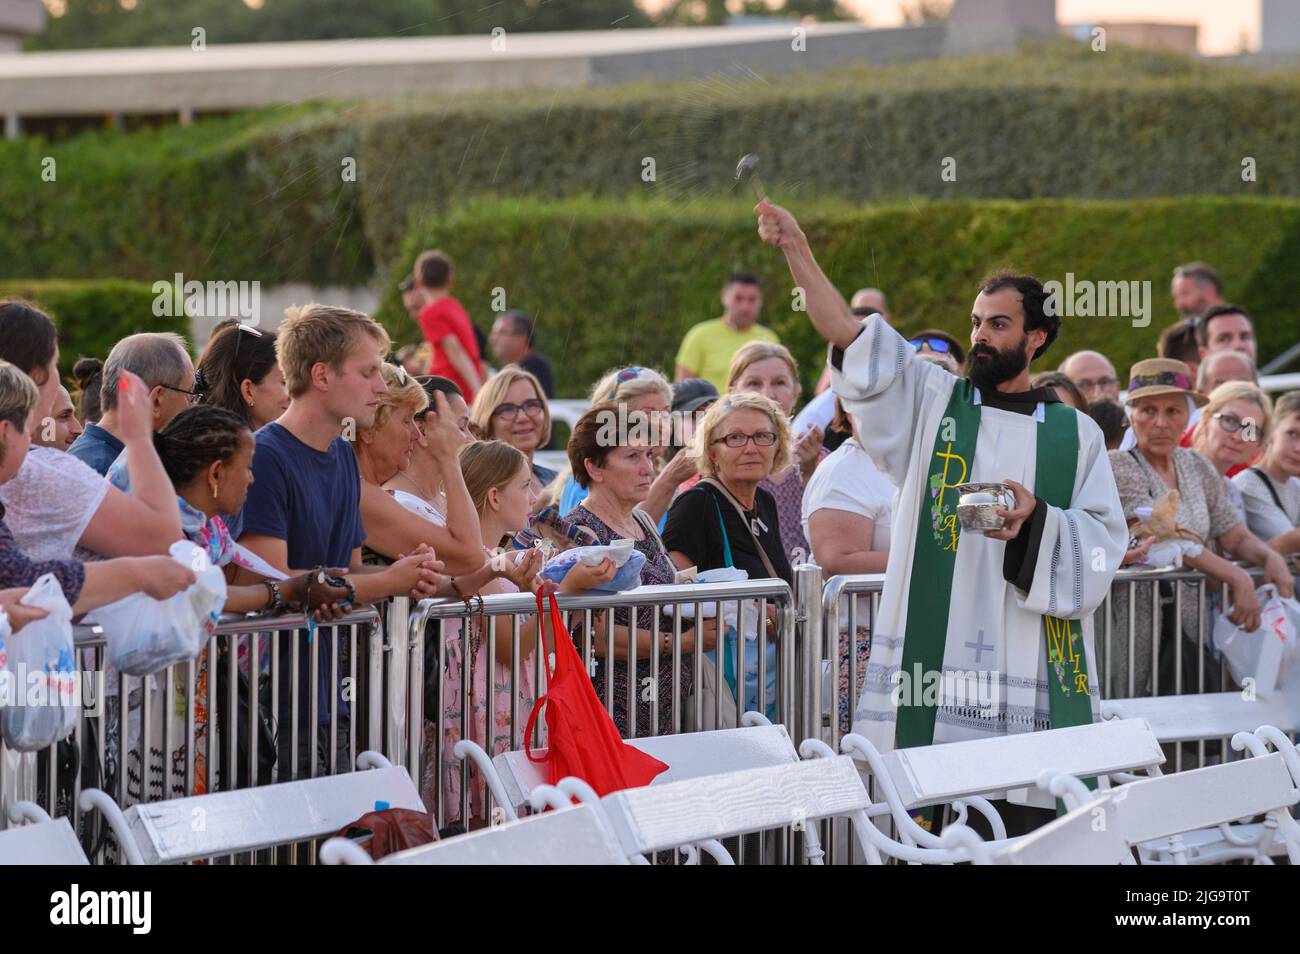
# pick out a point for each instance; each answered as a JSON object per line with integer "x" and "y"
{"x": 979, "y": 634}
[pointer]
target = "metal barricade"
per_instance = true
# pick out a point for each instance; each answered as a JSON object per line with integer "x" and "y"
{"x": 269, "y": 699}
{"x": 500, "y": 635}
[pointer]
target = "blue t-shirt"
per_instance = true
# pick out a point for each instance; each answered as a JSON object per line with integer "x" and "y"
{"x": 96, "y": 448}
{"x": 308, "y": 498}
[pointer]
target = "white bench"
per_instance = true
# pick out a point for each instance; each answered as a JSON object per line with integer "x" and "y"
{"x": 712, "y": 807}
{"x": 41, "y": 841}
{"x": 1210, "y": 715}
{"x": 572, "y": 835}
{"x": 969, "y": 773}
{"x": 512, "y": 776}
{"x": 1186, "y": 817}
{"x": 1085, "y": 836}
{"x": 181, "y": 830}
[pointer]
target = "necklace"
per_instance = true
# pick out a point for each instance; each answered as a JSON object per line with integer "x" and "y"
{"x": 617, "y": 525}
{"x": 420, "y": 489}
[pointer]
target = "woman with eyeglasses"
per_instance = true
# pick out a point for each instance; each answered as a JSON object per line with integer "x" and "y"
{"x": 1160, "y": 400}
{"x": 762, "y": 367}
{"x": 512, "y": 407}
{"x": 238, "y": 371}
{"x": 728, "y": 519}
{"x": 1270, "y": 489}
{"x": 1230, "y": 432}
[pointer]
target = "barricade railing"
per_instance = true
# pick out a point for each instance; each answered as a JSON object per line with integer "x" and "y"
{"x": 393, "y": 680}
{"x": 499, "y": 635}
{"x": 200, "y": 726}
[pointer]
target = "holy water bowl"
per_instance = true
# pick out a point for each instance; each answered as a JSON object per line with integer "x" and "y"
{"x": 978, "y": 505}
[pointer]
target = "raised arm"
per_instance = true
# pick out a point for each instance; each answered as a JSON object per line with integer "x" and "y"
{"x": 830, "y": 313}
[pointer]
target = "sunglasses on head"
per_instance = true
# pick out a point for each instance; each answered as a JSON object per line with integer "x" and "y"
{"x": 628, "y": 374}
{"x": 935, "y": 344}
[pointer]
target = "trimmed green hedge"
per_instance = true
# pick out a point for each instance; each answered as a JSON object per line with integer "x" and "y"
{"x": 92, "y": 316}
{"x": 1060, "y": 121}
{"x": 261, "y": 195}
{"x": 254, "y": 197}
{"x": 620, "y": 282}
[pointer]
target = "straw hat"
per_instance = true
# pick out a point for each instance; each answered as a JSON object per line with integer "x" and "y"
{"x": 1156, "y": 376}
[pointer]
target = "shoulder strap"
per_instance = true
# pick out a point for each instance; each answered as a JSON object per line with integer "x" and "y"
{"x": 649, "y": 529}
{"x": 1268, "y": 482}
{"x": 740, "y": 512}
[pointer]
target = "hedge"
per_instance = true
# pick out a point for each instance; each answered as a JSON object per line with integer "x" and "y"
{"x": 614, "y": 283}
{"x": 92, "y": 316}
{"x": 261, "y": 196}
{"x": 1060, "y": 121}
{"x": 254, "y": 197}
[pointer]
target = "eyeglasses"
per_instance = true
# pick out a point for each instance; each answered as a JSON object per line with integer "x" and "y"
{"x": 193, "y": 396}
{"x": 1231, "y": 423}
{"x": 508, "y": 412}
{"x": 935, "y": 344}
{"x": 1100, "y": 384}
{"x": 738, "y": 440}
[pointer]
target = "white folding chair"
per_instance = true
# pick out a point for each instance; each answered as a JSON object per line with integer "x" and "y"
{"x": 180, "y": 830}
{"x": 34, "y": 838}
{"x": 571, "y": 835}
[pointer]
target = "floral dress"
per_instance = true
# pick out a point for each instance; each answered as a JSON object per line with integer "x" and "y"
{"x": 658, "y": 570}
{"x": 453, "y": 714}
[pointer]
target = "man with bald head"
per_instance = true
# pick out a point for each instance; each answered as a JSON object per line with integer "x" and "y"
{"x": 871, "y": 298}
{"x": 1093, "y": 374}
{"x": 1222, "y": 366}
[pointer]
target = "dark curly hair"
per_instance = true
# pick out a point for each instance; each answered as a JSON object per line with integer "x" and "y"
{"x": 196, "y": 438}
{"x": 1034, "y": 299}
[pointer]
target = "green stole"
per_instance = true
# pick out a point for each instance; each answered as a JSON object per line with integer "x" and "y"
{"x": 937, "y": 534}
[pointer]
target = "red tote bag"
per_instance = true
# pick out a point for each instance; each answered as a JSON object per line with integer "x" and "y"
{"x": 583, "y": 741}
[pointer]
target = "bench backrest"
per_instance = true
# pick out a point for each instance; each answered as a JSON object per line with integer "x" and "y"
{"x": 659, "y": 817}
{"x": 41, "y": 843}
{"x": 1209, "y": 715}
{"x": 184, "y": 829}
{"x": 1086, "y": 836}
{"x": 569, "y": 836}
{"x": 688, "y": 755}
{"x": 1202, "y": 798}
{"x": 934, "y": 774}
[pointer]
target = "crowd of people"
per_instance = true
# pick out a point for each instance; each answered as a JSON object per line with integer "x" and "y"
{"x": 324, "y": 472}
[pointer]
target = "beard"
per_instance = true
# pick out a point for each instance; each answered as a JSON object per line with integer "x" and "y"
{"x": 987, "y": 367}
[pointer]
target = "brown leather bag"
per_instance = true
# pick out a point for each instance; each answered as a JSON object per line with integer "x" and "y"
{"x": 391, "y": 830}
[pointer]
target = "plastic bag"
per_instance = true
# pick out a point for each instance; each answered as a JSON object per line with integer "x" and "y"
{"x": 145, "y": 635}
{"x": 629, "y": 561}
{"x": 1259, "y": 656}
{"x": 41, "y": 673}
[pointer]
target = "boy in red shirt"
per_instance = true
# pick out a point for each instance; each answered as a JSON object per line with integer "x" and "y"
{"x": 446, "y": 326}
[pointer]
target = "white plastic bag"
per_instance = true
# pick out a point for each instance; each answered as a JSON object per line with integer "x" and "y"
{"x": 629, "y": 561}
{"x": 42, "y": 673}
{"x": 145, "y": 635}
{"x": 1258, "y": 656}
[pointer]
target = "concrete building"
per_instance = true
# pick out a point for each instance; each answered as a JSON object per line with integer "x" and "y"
{"x": 1166, "y": 37}
{"x": 19, "y": 19}
{"x": 58, "y": 92}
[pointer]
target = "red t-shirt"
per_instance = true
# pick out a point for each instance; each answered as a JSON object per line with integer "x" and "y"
{"x": 440, "y": 319}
